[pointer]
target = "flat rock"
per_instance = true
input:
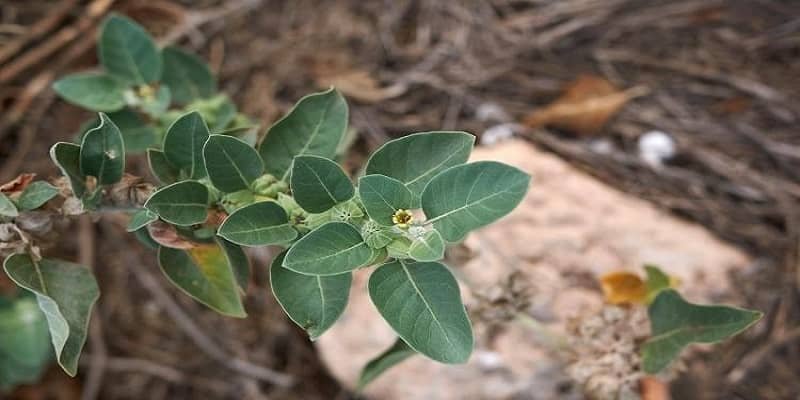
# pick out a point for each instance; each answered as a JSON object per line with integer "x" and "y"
{"x": 541, "y": 262}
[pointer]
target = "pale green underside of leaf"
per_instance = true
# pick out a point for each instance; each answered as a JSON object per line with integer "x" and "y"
{"x": 318, "y": 184}
{"x": 25, "y": 348}
{"x": 66, "y": 293}
{"x": 232, "y": 164}
{"x": 102, "y": 152}
{"x": 140, "y": 219}
{"x": 470, "y": 196}
{"x": 67, "y": 157}
{"x": 415, "y": 159}
{"x": 182, "y": 203}
{"x": 313, "y": 302}
{"x": 315, "y": 126}
{"x": 35, "y": 195}
{"x": 382, "y": 196}
{"x": 422, "y": 303}
{"x": 128, "y": 52}
{"x": 259, "y": 224}
{"x": 7, "y": 207}
{"x": 207, "y": 277}
{"x": 183, "y": 144}
{"x": 676, "y": 323}
{"x": 394, "y": 355}
{"x": 161, "y": 168}
{"x": 332, "y": 249}
{"x": 93, "y": 91}
{"x": 238, "y": 261}
{"x": 187, "y": 76}
{"x": 429, "y": 247}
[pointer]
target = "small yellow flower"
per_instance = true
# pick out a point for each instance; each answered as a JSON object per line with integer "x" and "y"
{"x": 402, "y": 218}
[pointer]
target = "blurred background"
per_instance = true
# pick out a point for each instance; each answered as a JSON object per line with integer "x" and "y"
{"x": 670, "y": 124}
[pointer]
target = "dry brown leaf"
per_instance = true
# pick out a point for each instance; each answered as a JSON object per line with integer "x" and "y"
{"x": 360, "y": 85}
{"x": 586, "y": 105}
{"x": 17, "y": 185}
{"x": 652, "y": 388}
{"x": 166, "y": 235}
{"x": 622, "y": 287}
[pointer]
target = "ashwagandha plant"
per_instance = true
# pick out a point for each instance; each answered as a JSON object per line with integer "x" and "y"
{"x": 220, "y": 189}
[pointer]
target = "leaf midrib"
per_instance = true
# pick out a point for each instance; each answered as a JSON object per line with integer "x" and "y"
{"x": 427, "y": 305}
{"x": 429, "y": 171}
{"x": 313, "y": 136}
{"x": 468, "y": 205}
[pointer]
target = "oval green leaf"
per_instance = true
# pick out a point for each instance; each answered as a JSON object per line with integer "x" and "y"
{"x": 259, "y": 224}
{"x": 318, "y": 183}
{"x": 103, "y": 152}
{"x": 66, "y": 293}
{"x": 382, "y": 196}
{"x": 128, "y": 52}
{"x": 315, "y": 126}
{"x": 332, "y": 249}
{"x": 7, "y": 207}
{"x": 161, "y": 168}
{"x": 470, "y": 196}
{"x": 183, "y": 144}
{"x": 232, "y": 164}
{"x": 427, "y": 247}
{"x": 205, "y": 274}
{"x": 187, "y": 76}
{"x": 67, "y": 156}
{"x": 35, "y": 195}
{"x": 415, "y": 159}
{"x": 676, "y": 323}
{"x": 422, "y": 303}
{"x": 182, "y": 203}
{"x": 313, "y": 302}
{"x": 92, "y": 91}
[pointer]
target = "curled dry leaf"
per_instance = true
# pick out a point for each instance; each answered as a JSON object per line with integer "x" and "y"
{"x": 166, "y": 235}
{"x": 17, "y": 185}
{"x": 623, "y": 287}
{"x": 361, "y": 85}
{"x": 585, "y": 106}
{"x": 651, "y": 388}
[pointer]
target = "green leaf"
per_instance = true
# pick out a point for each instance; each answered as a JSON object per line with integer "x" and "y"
{"x": 140, "y": 219}
{"x": 318, "y": 184}
{"x": 259, "y": 224}
{"x": 35, "y": 195}
{"x": 427, "y": 247}
{"x": 314, "y": 126}
{"x": 66, "y": 293}
{"x": 656, "y": 281}
{"x": 183, "y": 144}
{"x": 187, "y": 76}
{"x": 377, "y": 236}
{"x": 470, "y": 196}
{"x": 382, "y": 196}
{"x": 67, "y": 158}
{"x": 312, "y": 302}
{"x": 128, "y": 52}
{"x": 238, "y": 261}
{"x": 136, "y": 133}
{"x": 232, "y": 164}
{"x": 332, "y": 249}
{"x": 422, "y": 303}
{"x": 676, "y": 323}
{"x": 93, "y": 91}
{"x": 183, "y": 203}
{"x": 415, "y": 159}
{"x": 7, "y": 207}
{"x": 102, "y": 152}
{"x": 25, "y": 349}
{"x": 205, "y": 274}
{"x": 394, "y": 355}
{"x": 160, "y": 167}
